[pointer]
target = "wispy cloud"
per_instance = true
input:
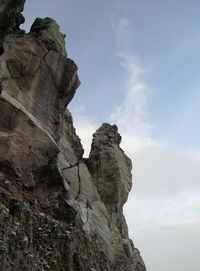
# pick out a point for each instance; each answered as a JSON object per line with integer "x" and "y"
{"x": 133, "y": 108}
{"x": 130, "y": 115}
{"x": 121, "y": 28}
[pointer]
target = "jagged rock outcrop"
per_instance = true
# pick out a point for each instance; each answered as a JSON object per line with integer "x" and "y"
{"x": 58, "y": 211}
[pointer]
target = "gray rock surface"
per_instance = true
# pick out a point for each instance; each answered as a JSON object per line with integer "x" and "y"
{"x": 58, "y": 211}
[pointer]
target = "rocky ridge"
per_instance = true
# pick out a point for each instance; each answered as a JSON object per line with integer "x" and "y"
{"x": 58, "y": 210}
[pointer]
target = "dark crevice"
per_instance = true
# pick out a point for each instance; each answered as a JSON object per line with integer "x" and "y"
{"x": 1, "y": 50}
{"x": 87, "y": 216}
{"x": 79, "y": 179}
{"x": 71, "y": 166}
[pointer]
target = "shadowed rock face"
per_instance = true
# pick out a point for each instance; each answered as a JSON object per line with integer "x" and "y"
{"x": 58, "y": 211}
{"x": 10, "y": 18}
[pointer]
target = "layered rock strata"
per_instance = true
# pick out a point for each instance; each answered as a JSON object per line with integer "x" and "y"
{"x": 58, "y": 211}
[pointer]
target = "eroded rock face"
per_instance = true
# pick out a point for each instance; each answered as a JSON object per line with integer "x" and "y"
{"x": 36, "y": 85}
{"x": 58, "y": 211}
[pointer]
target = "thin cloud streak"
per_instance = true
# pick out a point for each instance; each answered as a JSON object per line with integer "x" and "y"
{"x": 129, "y": 116}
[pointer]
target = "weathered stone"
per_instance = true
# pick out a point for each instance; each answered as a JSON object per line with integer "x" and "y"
{"x": 87, "y": 192}
{"x": 23, "y": 55}
{"x": 40, "y": 241}
{"x": 65, "y": 77}
{"x": 69, "y": 142}
{"x": 48, "y": 31}
{"x": 120, "y": 256}
{"x": 96, "y": 221}
{"x": 18, "y": 140}
{"x": 31, "y": 112}
{"x": 111, "y": 169}
{"x": 56, "y": 208}
{"x": 33, "y": 81}
{"x": 71, "y": 175}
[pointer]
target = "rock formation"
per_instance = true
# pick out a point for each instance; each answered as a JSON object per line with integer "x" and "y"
{"x": 58, "y": 210}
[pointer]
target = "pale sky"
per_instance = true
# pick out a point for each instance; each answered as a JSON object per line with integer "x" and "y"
{"x": 139, "y": 63}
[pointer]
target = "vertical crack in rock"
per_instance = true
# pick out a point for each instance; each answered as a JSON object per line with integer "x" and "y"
{"x": 79, "y": 183}
{"x": 87, "y": 214}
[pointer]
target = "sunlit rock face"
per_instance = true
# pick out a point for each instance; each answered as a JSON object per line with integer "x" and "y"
{"x": 58, "y": 211}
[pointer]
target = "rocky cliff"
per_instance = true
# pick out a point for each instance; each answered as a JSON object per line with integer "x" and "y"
{"x": 58, "y": 211}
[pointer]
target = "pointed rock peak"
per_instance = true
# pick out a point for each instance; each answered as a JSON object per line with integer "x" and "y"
{"x": 110, "y": 168}
{"x": 107, "y": 134}
{"x": 48, "y": 31}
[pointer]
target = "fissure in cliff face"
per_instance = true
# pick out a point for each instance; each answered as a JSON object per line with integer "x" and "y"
{"x": 58, "y": 211}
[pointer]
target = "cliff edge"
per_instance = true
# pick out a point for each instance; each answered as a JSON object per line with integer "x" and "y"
{"x": 58, "y": 211}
